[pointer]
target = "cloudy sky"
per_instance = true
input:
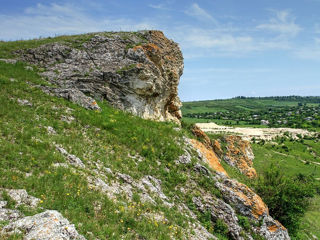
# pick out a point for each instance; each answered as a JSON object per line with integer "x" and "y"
{"x": 231, "y": 47}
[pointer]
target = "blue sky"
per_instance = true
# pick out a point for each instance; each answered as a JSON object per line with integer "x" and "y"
{"x": 231, "y": 47}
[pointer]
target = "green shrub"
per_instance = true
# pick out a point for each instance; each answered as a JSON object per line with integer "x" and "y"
{"x": 287, "y": 197}
{"x": 221, "y": 227}
{"x": 244, "y": 222}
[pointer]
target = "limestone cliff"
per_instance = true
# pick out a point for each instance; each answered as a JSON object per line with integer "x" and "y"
{"x": 137, "y": 72}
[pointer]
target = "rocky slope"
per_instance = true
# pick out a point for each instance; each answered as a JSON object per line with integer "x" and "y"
{"x": 111, "y": 174}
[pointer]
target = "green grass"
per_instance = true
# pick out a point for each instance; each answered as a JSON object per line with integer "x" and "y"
{"x": 7, "y": 49}
{"x": 109, "y": 137}
{"x": 26, "y": 147}
{"x": 290, "y": 162}
{"x": 310, "y": 223}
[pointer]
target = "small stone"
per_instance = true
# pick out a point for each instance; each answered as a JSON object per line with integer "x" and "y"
{"x": 73, "y": 160}
{"x": 24, "y": 102}
{"x": 28, "y": 68}
{"x": 20, "y": 196}
{"x": 108, "y": 170}
{"x": 51, "y": 131}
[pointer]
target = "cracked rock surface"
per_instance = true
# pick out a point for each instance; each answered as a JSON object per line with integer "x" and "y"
{"x": 137, "y": 72}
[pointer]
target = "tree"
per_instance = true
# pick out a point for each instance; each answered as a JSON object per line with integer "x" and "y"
{"x": 287, "y": 197}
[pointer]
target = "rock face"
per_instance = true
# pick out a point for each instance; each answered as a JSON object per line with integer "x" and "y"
{"x": 243, "y": 200}
{"x": 138, "y": 72}
{"x": 239, "y": 155}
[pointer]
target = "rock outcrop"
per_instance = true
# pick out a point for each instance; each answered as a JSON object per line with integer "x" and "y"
{"x": 239, "y": 155}
{"x": 134, "y": 71}
{"x": 243, "y": 200}
{"x": 43, "y": 226}
{"x": 49, "y": 224}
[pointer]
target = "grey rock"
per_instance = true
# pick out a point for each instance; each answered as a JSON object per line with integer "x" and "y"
{"x": 220, "y": 210}
{"x": 12, "y": 61}
{"x": 200, "y": 233}
{"x": 24, "y": 102}
{"x": 67, "y": 119}
{"x": 51, "y": 130}
{"x": 136, "y": 72}
{"x": 266, "y": 229}
{"x": 108, "y": 170}
{"x": 20, "y": 196}
{"x": 28, "y": 68}
{"x": 3, "y": 204}
{"x": 126, "y": 178}
{"x": 249, "y": 204}
{"x": 201, "y": 169}
{"x": 72, "y": 159}
{"x": 185, "y": 158}
{"x": 43, "y": 226}
{"x": 9, "y": 215}
{"x": 74, "y": 95}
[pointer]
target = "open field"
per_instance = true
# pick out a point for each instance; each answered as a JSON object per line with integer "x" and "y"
{"x": 249, "y": 133}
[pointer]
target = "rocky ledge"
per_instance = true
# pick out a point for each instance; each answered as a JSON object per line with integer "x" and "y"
{"x": 134, "y": 71}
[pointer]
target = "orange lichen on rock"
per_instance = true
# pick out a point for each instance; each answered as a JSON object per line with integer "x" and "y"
{"x": 239, "y": 154}
{"x": 200, "y": 134}
{"x": 150, "y": 47}
{"x": 135, "y": 48}
{"x": 217, "y": 148}
{"x": 273, "y": 228}
{"x": 209, "y": 155}
{"x": 251, "y": 199}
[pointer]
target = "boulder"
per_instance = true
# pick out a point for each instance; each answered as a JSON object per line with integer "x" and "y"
{"x": 137, "y": 72}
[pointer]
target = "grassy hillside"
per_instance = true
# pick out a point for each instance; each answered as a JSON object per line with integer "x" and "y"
{"x": 117, "y": 147}
{"x": 111, "y": 138}
{"x": 291, "y": 111}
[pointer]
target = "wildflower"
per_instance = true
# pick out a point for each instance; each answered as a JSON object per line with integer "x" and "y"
{"x": 121, "y": 220}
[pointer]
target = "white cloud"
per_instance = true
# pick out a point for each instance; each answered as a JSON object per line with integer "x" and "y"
{"x": 226, "y": 42}
{"x": 48, "y": 20}
{"x": 159, "y": 6}
{"x": 196, "y": 11}
{"x": 282, "y": 23}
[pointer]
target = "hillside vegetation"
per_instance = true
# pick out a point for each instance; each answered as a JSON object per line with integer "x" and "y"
{"x": 291, "y": 111}
{"x": 287, "y": 162}
{"x": 113, "y": 175}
